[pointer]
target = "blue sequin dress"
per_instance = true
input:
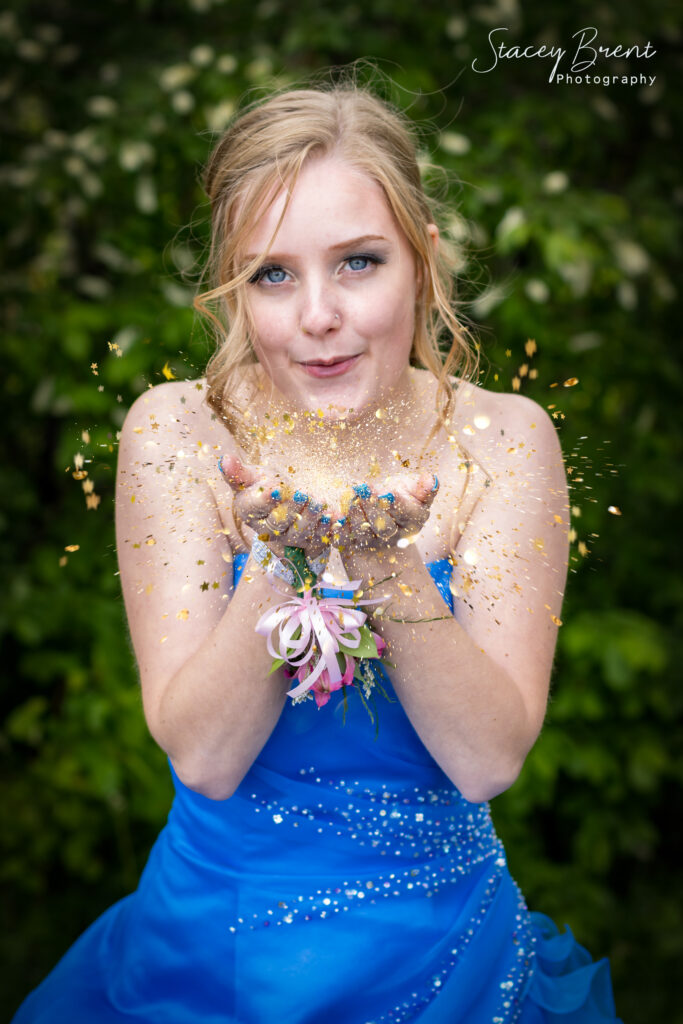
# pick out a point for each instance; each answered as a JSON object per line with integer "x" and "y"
{"x": 346, "y": 881}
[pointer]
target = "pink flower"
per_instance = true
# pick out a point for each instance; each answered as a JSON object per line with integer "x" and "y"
{"x": 324, "y": 686}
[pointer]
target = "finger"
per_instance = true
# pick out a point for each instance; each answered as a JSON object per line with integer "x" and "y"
{"x": 236, "y": 472}
{"x": 425, "y": 488}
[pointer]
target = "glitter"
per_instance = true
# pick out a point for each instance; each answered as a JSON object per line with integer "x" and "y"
{"x": 615, "y": 510}
{"x": 471, "y": 556}
{"x": 571, "y": 382}
{"x": 558, "y": 622}
{"x": 72, "y": 547}
{"x": 183, "y": 614}
{"x": 482, "y": 422}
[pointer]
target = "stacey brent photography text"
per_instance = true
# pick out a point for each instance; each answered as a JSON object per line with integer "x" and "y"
{"x": 587, "y": 52}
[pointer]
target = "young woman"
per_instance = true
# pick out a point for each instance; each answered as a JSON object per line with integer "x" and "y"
{"x": 317, "y": 864}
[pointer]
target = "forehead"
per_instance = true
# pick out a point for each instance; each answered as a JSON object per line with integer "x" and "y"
{"x": 330, "y": 200}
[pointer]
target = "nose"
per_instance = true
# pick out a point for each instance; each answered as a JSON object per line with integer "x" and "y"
{"x": 319, "y": 313}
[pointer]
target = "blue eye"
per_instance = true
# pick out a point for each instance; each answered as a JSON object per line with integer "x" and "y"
{"x": 271, "y": 275}
{"x": 362, "y": 261}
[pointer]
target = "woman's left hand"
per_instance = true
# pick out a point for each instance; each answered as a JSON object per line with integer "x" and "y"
{"x": 378, "y": 519}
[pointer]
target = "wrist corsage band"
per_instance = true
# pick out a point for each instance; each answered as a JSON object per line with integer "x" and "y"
{"x": 320, "y": 638}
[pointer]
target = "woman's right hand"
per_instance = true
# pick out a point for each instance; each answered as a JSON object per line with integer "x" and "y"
{"x": 268, "y": 507}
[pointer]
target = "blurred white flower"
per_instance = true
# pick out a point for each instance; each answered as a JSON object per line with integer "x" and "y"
{"x": 91, "y": 185}
{"x": 176, "y": 76}
{"x": 93, "y": 287}
{"x": 627, "y": 296}
{"x": 513, "y": 218}
{"x": 488, "y": 300}
{"x": 456, "y": 27}
{"x": 606, "y": 109}
{"x": 135, "y": 153}
{"x": 631, "y": 257}
{"x": 226, "y": 64}
{"x": 55, "y": 139}
{"x": 458, "y": 228}
{"x": 201, "y": 55}
{"x": 578, "y": 275}
{"x": 217, "y": 117}
{"x": 9, "y": 28}
{"x": 182, "y": 101}
{"x": 85, "y": 142}
{"x": 585, "y": 341}
{"x": 455, "y": 143}
{"x": 101, "y": 106}
{"x": 146, "y": 195}
{"x": 29, "y": 49}
{"x": 537, "y": 290}
{"x": 556, "y": 181}
{"x": 75, "y": 165}
{"x": 259, "y": 68}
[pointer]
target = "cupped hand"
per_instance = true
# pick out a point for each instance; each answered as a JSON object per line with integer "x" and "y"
{"x": 276, "y": 513}
{"x": 381, "y": 518}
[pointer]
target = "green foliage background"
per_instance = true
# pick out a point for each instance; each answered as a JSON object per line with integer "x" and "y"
{"x": 568, "y": 210}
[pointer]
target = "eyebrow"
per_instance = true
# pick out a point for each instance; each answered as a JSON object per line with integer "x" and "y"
{"x": 349, "y": 244}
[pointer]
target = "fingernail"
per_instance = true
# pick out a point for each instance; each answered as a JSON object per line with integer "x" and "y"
{"x": 436, "y": 483}
{"x": 387, "y": 497}
{"x": 325, "y": 520}
{"x": 275, "y": 494}
{"x": 362, "y": 490}
{"x": 300, "y": 498}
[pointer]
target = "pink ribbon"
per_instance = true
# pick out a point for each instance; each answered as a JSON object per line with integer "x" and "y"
{"x": 324, "y": 623}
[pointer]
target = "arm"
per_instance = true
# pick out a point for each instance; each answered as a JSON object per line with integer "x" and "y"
{"x": 203, "y": 670}
{"x": 475, "y": 685}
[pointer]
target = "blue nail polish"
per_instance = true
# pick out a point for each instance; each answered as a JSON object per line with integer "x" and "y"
{"x": 220, "y": 464}
{"x": 316, "y": 507}
{"x": 340, "y": 522}
{"x": 275, "y": 494}
{"x": 300, "y": 498}
{"x": 387, "y": 497}
{"x": 325, "y": 520}
{"x": 436, "y": 482}
{"x": 362, "y": 490}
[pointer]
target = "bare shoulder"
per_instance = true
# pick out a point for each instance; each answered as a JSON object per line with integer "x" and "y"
{"x": 502, "y": 429}
{"x": 173, "y": 411}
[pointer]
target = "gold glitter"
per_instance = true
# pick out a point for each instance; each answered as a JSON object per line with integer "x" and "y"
{"x": 92, "y": 501}
{"x": 168, "y": 372}
{"x": 63, "y": 560}
{"x": 583, "y": 550}
{"x": 467, "y": 429}
{"x": 572, "y": 535}
{"x": 88, "y": 486}
{"x": 72, "y": 547}
{"x": 79, "y": 474}
{"x": 615, "y": 510}
{"x": 516, "y": 383}
{"x": 150, "y": 542}
{"x": 539, "y": 543}
{"x": 524, "y": 369}
{"x": 184, "y": 613}
{"x": 471, "y": 556}
{"x": 558, "y": 622}
{"x": 558, "y": 519}
{"x": 530, "y": 347}
{"x": 482, "y": 422}
{"x": 571, "y": 382}
{"x": 85, "y": 437}
{"x": 380, "y": 413}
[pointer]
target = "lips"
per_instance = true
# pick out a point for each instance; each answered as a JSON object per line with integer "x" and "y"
{"x": 329, "y": 367}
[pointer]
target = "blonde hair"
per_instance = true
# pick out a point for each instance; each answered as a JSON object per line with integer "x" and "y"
{"x": 263, "y": 151}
